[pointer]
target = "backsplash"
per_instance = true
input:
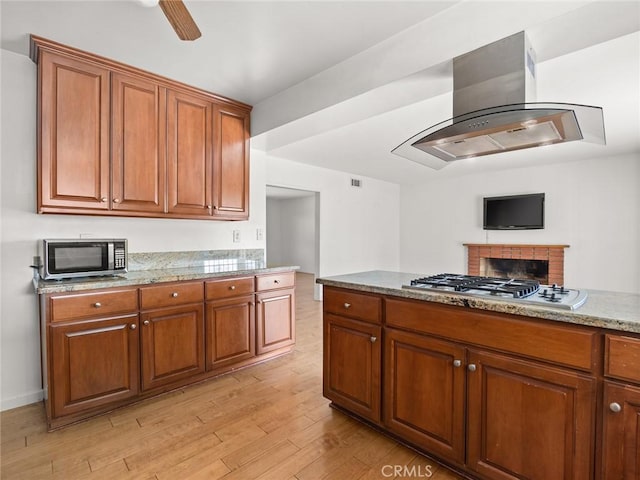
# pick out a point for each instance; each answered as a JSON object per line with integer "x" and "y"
{"x": 250, "y": 258}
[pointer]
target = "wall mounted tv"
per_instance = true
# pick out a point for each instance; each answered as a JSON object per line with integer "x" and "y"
{"x": 514, "y": 212}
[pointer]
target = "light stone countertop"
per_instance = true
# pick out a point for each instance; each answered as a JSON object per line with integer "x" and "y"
{"x": 603, "y": 309}
{"x": 146, "y": 277}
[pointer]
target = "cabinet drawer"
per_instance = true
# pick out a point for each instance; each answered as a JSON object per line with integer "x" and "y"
{"x": 169, "y": 295}
{"x": 622, "y": 357}
{"x": 273, "y": 282}
{"x": 353, "y": 305}
{"x": 95, "y": 304}
{"x": 563, "y": 344}
{"x": 229, "y": 287}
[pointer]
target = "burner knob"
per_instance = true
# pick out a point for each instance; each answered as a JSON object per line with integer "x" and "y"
{"x": 552, "y": 297}
{"x": 544, "y": 293}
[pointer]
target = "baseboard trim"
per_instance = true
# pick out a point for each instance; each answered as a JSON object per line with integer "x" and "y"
{"x": 21, "y": 400}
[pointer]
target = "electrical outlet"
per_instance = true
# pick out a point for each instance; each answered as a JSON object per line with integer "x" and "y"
{"x": 259, "y": 234}
{"x": 236, "y": 236}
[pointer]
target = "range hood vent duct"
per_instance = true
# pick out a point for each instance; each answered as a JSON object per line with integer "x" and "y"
{"x": 495, "y": 110}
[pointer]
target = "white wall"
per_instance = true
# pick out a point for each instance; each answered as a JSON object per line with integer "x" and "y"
{"x": 291, "y": 232}
{"x": 22, "y": 227}
{"x": 358, "y": 226}
{"x": 592, "y": 205}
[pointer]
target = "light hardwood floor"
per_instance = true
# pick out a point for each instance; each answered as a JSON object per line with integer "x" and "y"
{"x": 269, "y": 421}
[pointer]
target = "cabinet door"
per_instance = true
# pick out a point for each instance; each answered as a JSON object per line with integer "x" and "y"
{"x": 231, "y": 163}
{"x": 276, "y": 320}
{"x": 93, "y": 363}
{"x": 527, "y": 420}
{"x": 172, "y": 345}
{"x": 230, "y": 331}
{"x": 189, "y": 154}
{"x": 138, "y": 134}
{"x": 424, "y": 392}
{"x": 352, "y": 365}
{"x": 74, "y": 134}
{"x": 620, "y": 445}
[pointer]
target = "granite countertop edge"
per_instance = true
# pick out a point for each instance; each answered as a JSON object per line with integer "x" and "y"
{"x": 621, "y": 313}
{"x": 148, "y": 277}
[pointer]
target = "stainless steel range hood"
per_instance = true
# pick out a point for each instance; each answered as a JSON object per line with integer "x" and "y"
{"x": 495, "y": 110}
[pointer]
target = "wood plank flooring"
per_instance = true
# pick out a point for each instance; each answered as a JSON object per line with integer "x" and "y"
{"x": 268, "y": 421}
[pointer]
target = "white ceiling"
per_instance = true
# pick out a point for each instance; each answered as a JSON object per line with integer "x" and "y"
{"x": 338, "y": 84}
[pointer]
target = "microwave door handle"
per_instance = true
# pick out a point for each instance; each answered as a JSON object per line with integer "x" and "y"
{"x": 110, "y": 256}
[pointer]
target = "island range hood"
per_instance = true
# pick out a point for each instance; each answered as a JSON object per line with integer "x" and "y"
{"x": 495, "y": 110}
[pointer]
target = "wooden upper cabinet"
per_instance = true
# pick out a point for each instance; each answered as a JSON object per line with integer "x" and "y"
{"x": 73, "y": 153}
{"x": 231, "y": 163}
{"x": 116, "y": 140}
{"x": 138, "y": 136}
{"x": 189, "y": 154}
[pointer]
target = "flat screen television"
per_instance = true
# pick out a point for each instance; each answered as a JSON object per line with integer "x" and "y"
{"x": 514, "y": 212}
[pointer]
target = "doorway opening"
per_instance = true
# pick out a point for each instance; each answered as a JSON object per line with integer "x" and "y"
{"x": 293, "y": 230}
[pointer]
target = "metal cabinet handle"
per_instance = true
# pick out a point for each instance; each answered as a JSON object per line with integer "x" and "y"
{"x": 232, "y": 287}
{"x": 174, "y": 294}
{"x": 471, "y": 367}
{"x": 347, "y": 305}
{"x": 615, "y": 407}
{"x": 133, "y": 326}
{"x": 276, "y": 281}
{"x": 146, "y": 322}
{"x": 215, "y": 207}
{"x": 97, "y": 304}
{"x": 208, "y": 206}
{"x": 103, "y": 199}
{"x": 373, "y": 339}
{"x": 457, "y": 363}
{"x": 116, "y": 200}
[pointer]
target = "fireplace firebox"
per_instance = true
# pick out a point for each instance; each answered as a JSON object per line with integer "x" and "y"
{"x": 544, "y": 263}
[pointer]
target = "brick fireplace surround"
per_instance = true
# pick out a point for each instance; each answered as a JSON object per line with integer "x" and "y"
{"x": 554, "y": 254}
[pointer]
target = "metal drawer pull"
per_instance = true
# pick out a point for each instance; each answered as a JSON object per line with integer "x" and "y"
{"x": 133, "y": 326}
{"x": 471, "y": 367}
{"x": 615, "y": 407}
{"x": 457, "y": 363}
{"x": 97, "y": 304}
{"x": 276, "y": 281}
{"x": 347, "y": 305}
{"x": 146, "y": 322}
{"x": 232, "y": 287}
{"x": 373, "y": 339}
{"x": 174, "y": 294}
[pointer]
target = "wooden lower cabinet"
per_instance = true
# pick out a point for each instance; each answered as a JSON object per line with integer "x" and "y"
{"x": 230, "y": 331}
{"x": 172, "y": 345}
{"x": 424, "y": 392}
{"x": 352, "y": 364}
{"x": 621, "y": 432}
{"x": 93, "y": 363}
{"x": 153, "y": 338}
{"x": 529, "y": 420}
{"x": 275, "y": 319}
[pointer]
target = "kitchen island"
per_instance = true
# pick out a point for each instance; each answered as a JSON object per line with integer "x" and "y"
{"x": 111, "y": 341}
{"x": 496, "y": 389}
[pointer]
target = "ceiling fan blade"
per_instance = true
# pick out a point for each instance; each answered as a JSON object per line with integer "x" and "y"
{"x": 180, "y": 19}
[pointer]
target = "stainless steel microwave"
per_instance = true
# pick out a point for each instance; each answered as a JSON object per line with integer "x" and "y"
{"x": 84, "y": 257}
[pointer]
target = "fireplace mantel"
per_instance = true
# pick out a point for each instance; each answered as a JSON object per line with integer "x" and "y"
{"x": 554, "y": 254}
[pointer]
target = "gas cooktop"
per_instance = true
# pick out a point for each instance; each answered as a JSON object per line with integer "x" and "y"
{"x": 515, "y": 290}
